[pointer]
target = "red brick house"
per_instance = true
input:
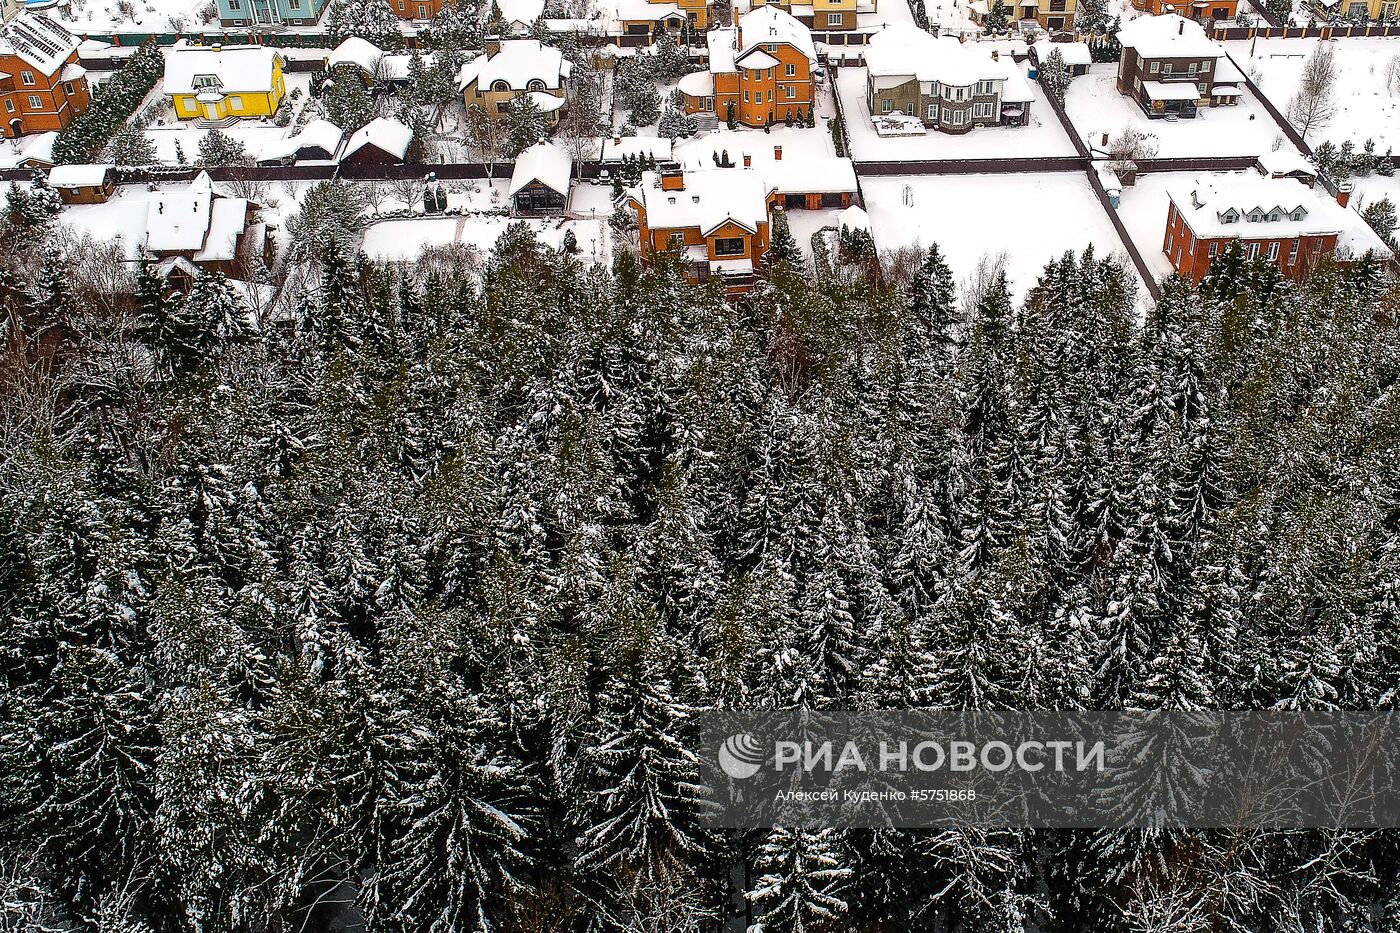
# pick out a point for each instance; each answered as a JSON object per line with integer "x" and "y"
{"x": 761, "y": 68}
{"x": 416, "y": 9}
{"x": 1279, "y": 219}
{"x": 1199, "y": 10}
{"x": 42, "y": 86}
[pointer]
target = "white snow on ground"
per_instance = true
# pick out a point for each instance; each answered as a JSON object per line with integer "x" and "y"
{"x": 1031, "y": 218}
{"x": 101, "y": 16}
{"x": 1371, "y": 188}
{"x": 1044, "y": 137}
{"x": 1095, "y": 107}
{"x": 405, "y": 239}
{"x": 1364, "y": 106}
{"x": 254, "y": 134}
{"x": 805, "y": 223}
{"x": 1143, "y": 209}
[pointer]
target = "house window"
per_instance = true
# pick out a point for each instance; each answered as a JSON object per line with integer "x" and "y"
{"x": 1210, "y": 251}
{"x": 789, "y": 93}
{"x": 1293, "y": 252}
{"x": 746, "y": 97}
{"x": 1204, "y": 88}
{"x": 1273, "y": 252}
{"x": 1299, "y": 214}
{"x": 676, "y": 241}
{"x": 1191, "y": 68}
{"x": 1205, "y": 67}
{"x": 1154, "y": 67}
{"x": 791, "y": 71}
{"x": 729, "y": 246}
{"x": 908, "y": 110}
{"x": 68, "y": 87}
{"x": 933, "y": 111}
{"x": 886, "y": 105}
{"x": 9, "y": 106}
{"x": 1255, "y": 217}
{"x": 235, "y": 102}
{"x": 1229, "y": 217}
{"x": 234, "y": 6}
{"x": 1166, "y": 69}
{"x": 1274, "y": 217}
{"x": 947, "y": 115}
{"x": 1057, "y": 6}
{"x": 35, "y": 103}
{"x": 833, "y": 19}
{"x": 1252, "y": 252}
{"x": 27, "y": 77}
{"x": 500, "y": 86}
{"x": 535, "y": 85}
{"x": 982, "y": 111}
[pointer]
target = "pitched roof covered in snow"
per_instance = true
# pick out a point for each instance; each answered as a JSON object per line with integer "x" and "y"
{"x": 710, "y": 199}
{"x": 1222, "y": 205}
{"x": 242, "y": 69}
{"x": 615, "y": 148}
{"x": 1286, "y": 161}
{"x": 901, "y": 52}
{"x": 318, "y": 134}
{"x": 361, "y": 53}
{"x": 746, "y": 45}
{"x": 80, "y": 176}
{"x": 853, "y": 218}
{"x": 38, "y": 41}
{"x": 544, "y": 162}
{"x": 518, "y": 62}
{"x": 1167, "y": 36}
{"x": 383, "y": 134}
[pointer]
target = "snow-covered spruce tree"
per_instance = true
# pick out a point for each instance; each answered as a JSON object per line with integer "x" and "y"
{"x": 219, "y": 148}
{"x": 1054, "y": 74}
{"x": 525, "y": 125}
{"x": 373, "y": 20}
{"x": 346, "y": 100}
{"x": 803, "y": 882}
{"x": 131, "y": 146}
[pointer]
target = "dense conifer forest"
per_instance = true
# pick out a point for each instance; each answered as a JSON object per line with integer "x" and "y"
{"x": 390, "y": 613}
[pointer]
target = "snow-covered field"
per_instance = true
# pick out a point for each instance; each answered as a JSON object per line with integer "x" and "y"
{"x": 1095, "y": 107}
{"x": 1143, "y": 209}
{"x": 134, "y": 16}
{"x": 1043, "y": 137}
{"x": 1364, "y": 106}
{"x": 1029, "y": 218}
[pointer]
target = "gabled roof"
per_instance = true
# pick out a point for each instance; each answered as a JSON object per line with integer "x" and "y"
{"x": 1286, "y": 162}
{"x": 524, "y": 12}
{"x": 519, "y": 62}
{"x": 1167, "y": 36}
{"x": 79, "y": 176}
{"x": 901, "y": 52}
{"x": 384, "y": 134}
{"x": 772, "y": 24}
{"x": 38, "y": 41}
{"x": 544, "y": 162}
{"x": 243, "y": 69}
{"x": 361, "y": 53}
{"x": 755, "y": 59}
{"x": 318, "y": 134}
{"x": 710, "y": 199}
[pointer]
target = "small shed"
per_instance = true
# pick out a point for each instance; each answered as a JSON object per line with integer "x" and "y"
{"x": 540, "y": 181}
{"x": 357, "y": 53}
{"x": 84, "y": 184}
{"x": 380, "y": 142}
{"x": 1077, "y": 56}
{"x": 1288, "y": 163}
{"x": 317, "y": 141}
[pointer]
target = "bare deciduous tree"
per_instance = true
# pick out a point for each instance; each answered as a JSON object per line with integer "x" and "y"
{"x": 1314, "y": 104}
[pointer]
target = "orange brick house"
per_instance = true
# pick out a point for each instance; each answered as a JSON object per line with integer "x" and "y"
{"x": 1277, "y": 218}
{"x": 760, "y": 68}
{"x": 41, "y": 83}
{"x": 1191, "y": 9}
{"x": 416, "y": 9}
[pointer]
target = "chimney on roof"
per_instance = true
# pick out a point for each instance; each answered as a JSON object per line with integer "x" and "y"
{"x": 617, "y": 140}
{"x": 1344, "y": 193}
{"x": 491, "y": 44}
{"x": 1181, "y": 28}
{"x": 777, "y": 153}
{"x": 672, "y": 178}
{"x": 996, "y": 56}
{"x": 748, "y": 160}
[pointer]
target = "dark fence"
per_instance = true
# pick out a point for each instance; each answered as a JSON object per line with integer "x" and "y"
{"x": 1149, "y": 279}
{"x": 1284, "y": 126}
{"x": 451, "y": 171}
{"x": 1223, "y": 32}
{"x": 1196, "y": 164}
{"x": 972, "y": 166}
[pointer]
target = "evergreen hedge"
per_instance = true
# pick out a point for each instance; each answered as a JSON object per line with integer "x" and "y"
{"x": 112, "y": 105}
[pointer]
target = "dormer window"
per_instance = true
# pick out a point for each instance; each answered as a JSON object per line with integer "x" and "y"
{"x": 1230, "y": 217}
{"x": 500, "y": 86}
{"x": 535, "y": 85}
{"x": 204, "y": 82}
{"x": 1274, "y": 216}
{"x": 1298, "y": 214}
{"x": 1255, "y": 216}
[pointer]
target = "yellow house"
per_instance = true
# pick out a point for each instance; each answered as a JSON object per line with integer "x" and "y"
{"x": 221, "y": 84}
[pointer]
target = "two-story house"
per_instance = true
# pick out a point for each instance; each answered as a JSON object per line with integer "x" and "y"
{"x": 254, "y": 13}
{"x": 1169, "y": 66}
{"x": 1286, "y": 223}
{"x": 512, "y": 68}
{"x": 949, "y": 85}
{"x": 41, "y": 83}
{"x": 717, "y": 218}
{"x": 223, "y": 84}
{"x": 416, "y": 9}
{"x": 760, "y": 71}
{"x": 823, "y": 15}
{"x": 1052, "y": 15}
{"x": 639, "y": 22}
{"x": 1200, "y": 10}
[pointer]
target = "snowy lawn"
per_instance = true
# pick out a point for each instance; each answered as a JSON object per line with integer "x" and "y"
{"x": 1044, "y": 137}
{"x": 1364, "y": 106}
{"x": 404, "y": 240}
{"x": 1371, "y": 188}
{"x": 1095, "y": 107}
{"x": 1143, "y": 209}
{"x": 805, "y": 223}
{"x": 166, "y": 130}
{"x": 131, "y": 15}
{"x": 1030, "y": 219}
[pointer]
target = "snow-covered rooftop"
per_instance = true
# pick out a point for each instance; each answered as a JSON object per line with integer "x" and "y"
{"x": 697, "y": 84}
{"x": 853, "y": 218}
{"x": 382, "y": 133}
{"x": 614, "y": 148}
{"x": 745, "y": 43}
{"x": 901, "y": 52}
{"x": 544, "y": 162}
{"x": 1284, "y": 161}
{"x": 1074, "y": 53}
{"x": 524, "y": 12}
{"x": 709, "y": 199}
{"x": 246, "y": 69}
{"x": 1220, "y": 205}
{"x": 38, "y": 40}
{"x": 518, "y": 62}
{"x": 318, "y": 134}
{"x": 227, "y": 219}
{"x": 79, "y": 176}
{"x": 1167, "y": 36}
{"x": 361, "y": 53}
